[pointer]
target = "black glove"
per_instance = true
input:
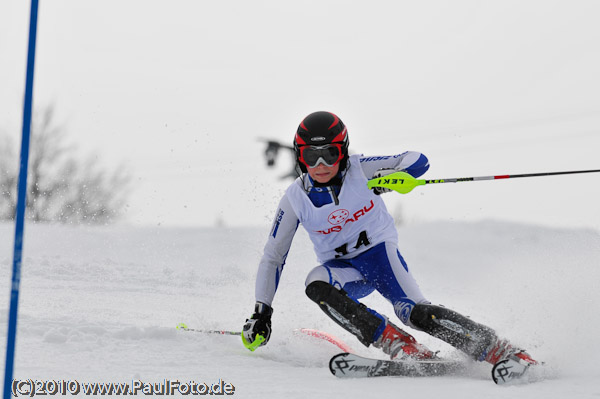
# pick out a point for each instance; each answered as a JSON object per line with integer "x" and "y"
{"x": 257, "y": 330}
{"x": 381, "y": 173}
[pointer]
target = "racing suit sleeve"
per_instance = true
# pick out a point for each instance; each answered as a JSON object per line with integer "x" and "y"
{"x": 275, "y": 252}
{"x": 412, "y": 162}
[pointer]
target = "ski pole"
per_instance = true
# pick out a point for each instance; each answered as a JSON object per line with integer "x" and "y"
{"x": 250, "y": 345}
{"x": 184, "y": 327}
{"x": 404, "y": 183}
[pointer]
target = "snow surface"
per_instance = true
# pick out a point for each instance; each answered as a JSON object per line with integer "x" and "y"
{"x": 101, "y": 305}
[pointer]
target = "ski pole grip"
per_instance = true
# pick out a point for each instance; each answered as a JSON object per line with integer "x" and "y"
{"x": 400, "y": 182}
{"x": 254, "y": 344}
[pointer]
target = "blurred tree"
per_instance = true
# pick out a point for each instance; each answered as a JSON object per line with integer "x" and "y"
{"x": 272, "y": 152}
{"x": 60, "y": 187}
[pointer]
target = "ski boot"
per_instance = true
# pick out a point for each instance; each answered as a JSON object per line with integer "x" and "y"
{"x": 502, "y": 349}
{"x": 400, "y": 345}
{"x": 510, "y": 363}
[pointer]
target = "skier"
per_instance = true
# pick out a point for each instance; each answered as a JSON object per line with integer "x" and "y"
{"x": 355, "y": 240}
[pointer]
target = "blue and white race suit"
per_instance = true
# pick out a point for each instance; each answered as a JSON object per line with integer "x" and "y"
{"x": 352, "y": 232}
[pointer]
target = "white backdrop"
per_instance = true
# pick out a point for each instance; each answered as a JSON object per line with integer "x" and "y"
{"x": 180, "y": 91}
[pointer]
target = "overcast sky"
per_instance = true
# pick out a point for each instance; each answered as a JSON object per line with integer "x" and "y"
{"x": 179, "y": 91}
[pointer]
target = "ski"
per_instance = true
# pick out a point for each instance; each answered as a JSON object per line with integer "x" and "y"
{"x": 348, "y": 365}
{"x": 324, "y": 336}
{"x": 505, "y": 372}
{"x": 513, "y": 370}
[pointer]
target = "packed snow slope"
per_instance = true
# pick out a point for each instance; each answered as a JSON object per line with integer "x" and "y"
{"x": 101, "y": 305}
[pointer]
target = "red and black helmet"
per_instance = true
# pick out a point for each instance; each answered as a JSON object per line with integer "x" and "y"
{"x": 321, "y": 137}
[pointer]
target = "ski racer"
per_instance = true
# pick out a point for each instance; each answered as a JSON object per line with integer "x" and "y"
{"x": 355, "y": 241}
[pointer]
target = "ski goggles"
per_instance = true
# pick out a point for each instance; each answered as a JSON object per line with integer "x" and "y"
{"x": 329, "y": 155}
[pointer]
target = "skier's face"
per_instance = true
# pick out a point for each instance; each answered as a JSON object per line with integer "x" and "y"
{"x": 322, "y": 173}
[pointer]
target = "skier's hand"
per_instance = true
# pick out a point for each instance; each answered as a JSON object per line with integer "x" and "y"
{"x": 381, "y": 173}
{"x": 257, "y": 330}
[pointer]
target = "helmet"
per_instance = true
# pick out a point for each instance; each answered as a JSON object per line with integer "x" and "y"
{"x": 321, "y": 137}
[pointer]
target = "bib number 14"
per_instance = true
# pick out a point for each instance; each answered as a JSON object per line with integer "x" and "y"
{"x": 363, "y": 239}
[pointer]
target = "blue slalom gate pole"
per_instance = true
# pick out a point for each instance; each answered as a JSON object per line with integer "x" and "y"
{"x": 21, "y": 204}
